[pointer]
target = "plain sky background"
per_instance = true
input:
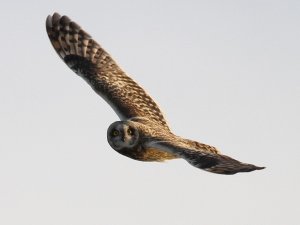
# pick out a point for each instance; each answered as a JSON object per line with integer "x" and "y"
{"x": 226, "y": 73}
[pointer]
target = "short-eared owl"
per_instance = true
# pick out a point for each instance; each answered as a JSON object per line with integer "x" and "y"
{"x": 142, "y": 133}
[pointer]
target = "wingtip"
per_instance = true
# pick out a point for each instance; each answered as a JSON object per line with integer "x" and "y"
{"x": 52, "y": 19}
{"x": 65, "y": 20}
{"x": 260, "y": 167}
{"x": 56, "y": 16}
{"x": 49, "y": 21}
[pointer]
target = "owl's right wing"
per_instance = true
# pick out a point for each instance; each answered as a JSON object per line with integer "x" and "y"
{"x": 89, "y": 60}
{"x": 202, "y": 156}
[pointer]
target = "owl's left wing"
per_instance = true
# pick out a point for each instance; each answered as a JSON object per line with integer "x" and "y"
{"x": 204, "y": 157}
{"x": 89, "y": 60}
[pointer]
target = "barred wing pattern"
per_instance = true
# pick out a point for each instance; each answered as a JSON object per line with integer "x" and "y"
{"x": 203, "y": 158}
{"x": 89, "y": 60}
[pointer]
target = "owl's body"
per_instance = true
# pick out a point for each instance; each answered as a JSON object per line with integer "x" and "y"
{"x": 143, "y": 133}
{"x": 150, "y": 134}
{"x": 121, "y": 89}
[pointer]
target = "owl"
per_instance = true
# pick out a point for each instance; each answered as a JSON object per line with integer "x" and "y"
{"x": 142, "y": 132}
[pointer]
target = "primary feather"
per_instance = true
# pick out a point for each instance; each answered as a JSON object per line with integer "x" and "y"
{"x": 89, "y": 60}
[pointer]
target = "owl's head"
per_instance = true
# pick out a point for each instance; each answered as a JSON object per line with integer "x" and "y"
{"x": 122, "y": 135}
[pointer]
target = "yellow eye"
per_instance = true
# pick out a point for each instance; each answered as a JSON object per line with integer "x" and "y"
{"x": 115, "y": 133}
{"x": 129, "y": 131}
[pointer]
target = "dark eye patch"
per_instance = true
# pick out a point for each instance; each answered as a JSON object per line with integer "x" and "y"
{"x": 115, "y": 133}
{"x": 130, "y": 131}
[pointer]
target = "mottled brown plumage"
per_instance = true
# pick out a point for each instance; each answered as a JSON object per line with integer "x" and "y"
{"x": 86, "y": 57}
{"x": 143, "y": 133}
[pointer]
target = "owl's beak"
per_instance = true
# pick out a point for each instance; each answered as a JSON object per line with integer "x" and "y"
{"x": 126, "y": 139}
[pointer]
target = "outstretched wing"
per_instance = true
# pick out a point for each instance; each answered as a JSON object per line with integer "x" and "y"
{"x": 89, "y": 60}
{"x": 202, "y": 156}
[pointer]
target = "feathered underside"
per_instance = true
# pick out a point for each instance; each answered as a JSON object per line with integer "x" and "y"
{"x": 203, "y": 157}
{"x": 217, "y": 163}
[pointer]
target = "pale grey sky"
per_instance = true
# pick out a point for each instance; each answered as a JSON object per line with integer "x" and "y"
{"x": 226, "y": 73}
